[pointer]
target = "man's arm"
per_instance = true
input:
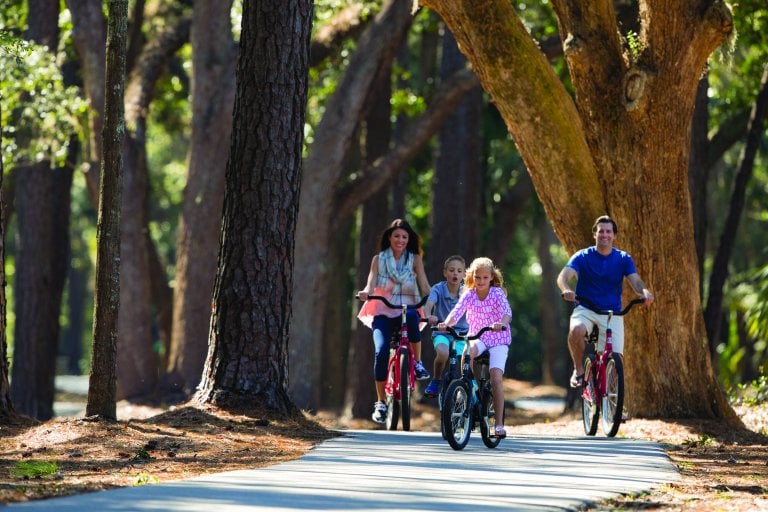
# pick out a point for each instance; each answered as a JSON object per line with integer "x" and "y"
{"x": 640, "y": 288}
{"x": 563, "y": 279}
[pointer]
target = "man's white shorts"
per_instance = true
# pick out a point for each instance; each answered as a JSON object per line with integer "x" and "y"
{"x": 588, "y": 318}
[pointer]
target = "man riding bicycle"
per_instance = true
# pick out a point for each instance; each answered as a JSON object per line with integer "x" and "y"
{"x": 600, "y": 271}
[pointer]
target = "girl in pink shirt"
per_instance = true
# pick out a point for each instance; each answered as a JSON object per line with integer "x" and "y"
{"x": 485, "y": 303}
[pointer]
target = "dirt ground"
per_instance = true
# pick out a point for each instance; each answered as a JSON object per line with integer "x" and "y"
{"x": 723, "y": 469}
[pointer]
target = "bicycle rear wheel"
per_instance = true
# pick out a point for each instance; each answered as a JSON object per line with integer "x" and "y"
{"x": 613, "y": 401}
{"x": 590, "y": 406}
{"x": 487, "y": 414}
{"x": 405, "y": 388}
{"x": 457, "y": 415}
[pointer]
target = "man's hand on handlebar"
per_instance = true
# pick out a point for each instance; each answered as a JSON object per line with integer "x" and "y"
{"x": 569, "y": 295}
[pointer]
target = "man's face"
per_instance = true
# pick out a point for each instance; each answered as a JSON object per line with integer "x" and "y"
{"x": 604, "y": 236}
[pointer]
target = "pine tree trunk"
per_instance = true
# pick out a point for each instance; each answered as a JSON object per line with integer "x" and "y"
{"x": 247, "y": 362}
{"x": 102, "y": 386}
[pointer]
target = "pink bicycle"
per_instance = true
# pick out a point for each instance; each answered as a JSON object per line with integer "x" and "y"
{"x": 401, "y": 372}
{"x": 603, "y": 392}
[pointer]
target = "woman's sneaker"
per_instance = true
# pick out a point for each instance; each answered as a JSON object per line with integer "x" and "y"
{"x": 433, "y": 389}
{"x": 379, "y": 412}
{"x": 421, "y": 372}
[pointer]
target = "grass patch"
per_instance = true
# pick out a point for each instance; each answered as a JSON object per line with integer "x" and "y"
{"x": 34, "y": 468}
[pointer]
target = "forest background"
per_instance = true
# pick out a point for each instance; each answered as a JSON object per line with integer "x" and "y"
{"x": 420, "y": 140}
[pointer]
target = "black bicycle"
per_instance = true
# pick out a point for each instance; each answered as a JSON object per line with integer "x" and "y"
{"x": 451, "y": 372}
{"x": 469, "y": 399}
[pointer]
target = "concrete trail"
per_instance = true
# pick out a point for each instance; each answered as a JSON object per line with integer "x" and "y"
{"x": 368, "y": 470}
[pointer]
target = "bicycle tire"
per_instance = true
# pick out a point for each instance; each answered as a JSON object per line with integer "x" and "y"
{"x": 613, "y": 401}
{"x": 404, "y": 360}
{"x": 487, "y": 411}
{"x": 457, "y": 415}
{"x": 448, "y": 377}
{"x": 393, "y": 405}
{"x": 590, "y": 405}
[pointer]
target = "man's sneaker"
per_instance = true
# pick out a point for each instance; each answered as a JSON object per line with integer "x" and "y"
{"x": 379, "y": 412}
{"x": 433, "y": 389}
{"x": 421, "y": 372}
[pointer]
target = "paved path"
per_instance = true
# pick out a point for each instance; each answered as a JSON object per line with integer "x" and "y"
{"x": 408, "y": 471}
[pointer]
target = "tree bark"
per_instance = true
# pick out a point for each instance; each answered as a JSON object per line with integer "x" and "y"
{"x": 620, "y": 148}
{"x": 247, "y": 361}
{"x": 213, "y": 91}
{"x": 102, "y": 382}
{"x": 89, "y": 34}
{"x": 42, "y": 205}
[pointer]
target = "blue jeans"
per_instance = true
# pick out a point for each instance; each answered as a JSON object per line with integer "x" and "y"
{"x": 383, "y": 327}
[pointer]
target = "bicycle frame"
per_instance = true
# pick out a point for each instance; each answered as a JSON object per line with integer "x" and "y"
{"x": 598, "y": 399}
{"x": 392, "y": 387}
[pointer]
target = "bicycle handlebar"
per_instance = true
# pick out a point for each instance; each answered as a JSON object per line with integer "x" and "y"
{"x": 396, "y": 306}
{"x": 589, "y": 305}
{"x": 475, "y": 336}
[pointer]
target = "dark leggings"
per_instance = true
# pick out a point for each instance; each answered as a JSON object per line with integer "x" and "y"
{"x": 383, "y": 327}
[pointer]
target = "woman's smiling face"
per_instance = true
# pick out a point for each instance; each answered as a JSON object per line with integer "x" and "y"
{"x": 398, "y": 240}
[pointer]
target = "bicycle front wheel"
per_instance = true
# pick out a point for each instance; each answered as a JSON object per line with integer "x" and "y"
{"x": 404, "y": 360}
{"x": 613, "y": 401}
{"x": 487, "y": 414}
{"x": 393, "y": 404}
{"x": 457, "y": 415}
{"x": 590, "y": 405}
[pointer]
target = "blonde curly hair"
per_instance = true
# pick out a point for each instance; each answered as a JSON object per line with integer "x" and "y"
{"x": 486, "y": 264}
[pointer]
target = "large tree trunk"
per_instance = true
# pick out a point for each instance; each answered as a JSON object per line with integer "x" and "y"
{"x": 213, "y": 90}
{"x": 42, "y": 205}
{"x": 248, "y": 350}
{"x": 621, "y": 148}
{"x": 102, "y": 385}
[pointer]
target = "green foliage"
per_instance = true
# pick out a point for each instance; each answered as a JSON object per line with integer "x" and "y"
{"x": 702, "y": 440}
{"x": 752, "y": 393}
{"x": 34, "y": 468}
{"x": 141, "y": 455}
{"x": 39, "y": 113}
{"x": 144, "y": 479}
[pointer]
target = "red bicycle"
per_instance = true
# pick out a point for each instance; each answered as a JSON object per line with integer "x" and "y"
{"x": 603, "y": 390}
{"x": 401, "y": 370}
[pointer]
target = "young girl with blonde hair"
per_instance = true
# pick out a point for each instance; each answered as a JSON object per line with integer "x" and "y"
{"x": 485, "y": 303}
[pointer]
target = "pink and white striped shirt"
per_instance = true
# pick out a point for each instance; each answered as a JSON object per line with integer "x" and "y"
{"x": 482, "y": 313}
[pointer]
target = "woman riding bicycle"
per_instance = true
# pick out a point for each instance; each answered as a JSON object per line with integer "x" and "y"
{"x": 600, "y": 271}
{"x": 397, "y": 273}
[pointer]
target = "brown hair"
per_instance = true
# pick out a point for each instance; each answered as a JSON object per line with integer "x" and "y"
{"x": 455, "y": 257}
{"x": 604, "y": 219}
{"x": 414, "y": 241}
